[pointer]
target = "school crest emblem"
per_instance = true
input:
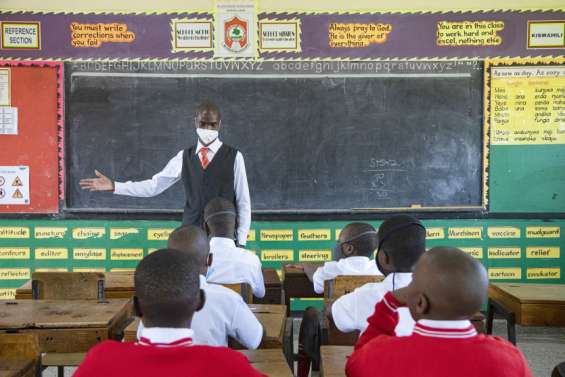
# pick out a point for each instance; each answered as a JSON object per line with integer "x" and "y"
{"x": 235, "y": 34}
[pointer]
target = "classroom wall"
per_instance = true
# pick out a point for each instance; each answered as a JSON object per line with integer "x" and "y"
{"x": 525, "y": 247}
{"x": 276, "y": 5}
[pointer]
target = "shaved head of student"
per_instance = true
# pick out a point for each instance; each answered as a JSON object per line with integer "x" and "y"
{"x": 356, "y": 239}
{"x": 219, "y": 218}
{"x": 447, "y": 284}
{"x": 192, "y": 240}
{"x": 167, "y": 289}
{"x": 401, "y": 242}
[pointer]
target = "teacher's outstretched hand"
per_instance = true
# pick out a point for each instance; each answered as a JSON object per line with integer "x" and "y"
{"x": 101, "y": 183}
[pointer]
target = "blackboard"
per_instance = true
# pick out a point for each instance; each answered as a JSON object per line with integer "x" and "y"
{"x": 314, "y": 140}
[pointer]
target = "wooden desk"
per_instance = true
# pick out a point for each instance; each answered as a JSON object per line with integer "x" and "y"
{"x": 130, "y": 332}
{"x": 272, "y": 317}
{"x": 273, "y": 288}
{"x": 117, "y": 285}
{"x": 333, "y": 360}
{"x": 297, "y": 285}
{"x": 526, "y": 305}
{"x": 270, "y": 362}
{"x": 23, "y": 368}
{"x": 65, "y": 326}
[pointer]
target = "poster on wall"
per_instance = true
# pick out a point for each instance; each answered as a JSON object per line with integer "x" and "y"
{"x": 8, "y": 120}
{"x": 528, "y": 105}
{"x": 5, "y": 87}
{"x": 235, "y": 30}
{"x": 14, "y": 185}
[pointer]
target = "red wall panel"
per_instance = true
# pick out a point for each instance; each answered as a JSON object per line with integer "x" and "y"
{"x": 37, "y": 93}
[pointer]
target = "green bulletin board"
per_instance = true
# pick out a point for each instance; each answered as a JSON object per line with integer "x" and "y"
{"x": 512, "y": 250}
{"x": 525, "y": 112}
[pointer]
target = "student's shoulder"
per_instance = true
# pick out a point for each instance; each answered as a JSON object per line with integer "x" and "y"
{"x": 107, "y": 349}
{"x": 222, "y": 356}
{"x": 330, "y": 265}
{"x": 382, "y": 345}
{"x": 111, "y": 345}
{"x": 497, "y": 346}
{"x": 248, "y": 255}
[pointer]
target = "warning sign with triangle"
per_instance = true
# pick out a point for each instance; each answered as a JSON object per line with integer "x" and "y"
{"x": 17, "y": 182}
{"x": 17, "y": 194}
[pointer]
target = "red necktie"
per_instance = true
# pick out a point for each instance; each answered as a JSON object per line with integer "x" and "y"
{"x": 204, "y": 159}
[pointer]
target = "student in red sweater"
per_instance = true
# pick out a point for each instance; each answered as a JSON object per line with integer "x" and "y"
{"x": 167, "y": 294}
{"x": 448, "y": 287}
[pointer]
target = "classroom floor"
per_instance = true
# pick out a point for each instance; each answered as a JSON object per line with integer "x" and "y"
{"x": 544, "y": 347}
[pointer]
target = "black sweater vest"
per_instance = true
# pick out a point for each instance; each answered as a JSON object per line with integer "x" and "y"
{"x": 202, "y": 185}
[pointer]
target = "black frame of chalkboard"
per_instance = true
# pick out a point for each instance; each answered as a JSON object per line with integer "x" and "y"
{"x": 73, "y": 212}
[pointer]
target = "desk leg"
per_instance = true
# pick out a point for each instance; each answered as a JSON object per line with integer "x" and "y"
{"x": 60, "y": 371}
{"x": 509, "y": 316}
{"x": 511, "y": 327}
{"x": 490, "y": 316}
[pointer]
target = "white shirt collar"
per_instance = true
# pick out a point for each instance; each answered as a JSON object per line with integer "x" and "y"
{"x": 445, "y": 329}
{"x": 357, "y": 264}
{"x": 463, "y": 324}
{"x": 165, "y": 335}
{"x": 221, "y": 242}
{"x": 398, "y": 278}
{"x": 216, "y": 144}
{"x": 356, "y": 258}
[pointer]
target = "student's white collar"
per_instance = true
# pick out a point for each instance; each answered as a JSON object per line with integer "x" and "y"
{"x": 219, "y": 242}
{"x": 398, "y": 276}
{"x": 216, "y": 144}
{"x": 445, "y": 329}
{"x": 463, "y": 324}
{"x": 165, "y": 335}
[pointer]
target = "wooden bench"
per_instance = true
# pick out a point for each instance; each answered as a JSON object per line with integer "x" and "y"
{"x": 526, "y": 305}
{"x": 116, "y": 285}
{"x": 334, "y": 289}
{"x": 19, "y": 355}
{"x": 67, "y": 286}
{"x": 119, "y": 284}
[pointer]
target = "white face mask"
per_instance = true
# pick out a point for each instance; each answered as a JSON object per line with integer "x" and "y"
{"x": 207, "y": 136}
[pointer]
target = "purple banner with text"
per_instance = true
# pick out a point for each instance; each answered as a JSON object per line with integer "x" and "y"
{"x": 287, "y": 36}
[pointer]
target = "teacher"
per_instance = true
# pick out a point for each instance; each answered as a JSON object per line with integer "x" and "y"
{"x": 209, "y": 169}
